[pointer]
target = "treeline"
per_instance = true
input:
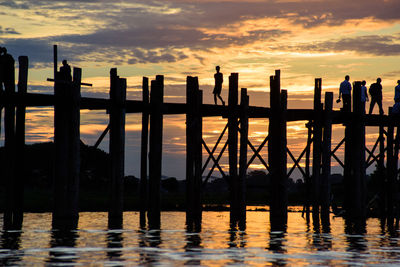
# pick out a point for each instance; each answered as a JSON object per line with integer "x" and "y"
{"x": 94, "y": 184}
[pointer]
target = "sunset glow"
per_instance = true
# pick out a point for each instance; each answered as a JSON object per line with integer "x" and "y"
{"x": 177, "y": 38}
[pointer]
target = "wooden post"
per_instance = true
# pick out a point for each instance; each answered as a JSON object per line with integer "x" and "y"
{"x": 193, "y": 153}
{"x": 155, "y": 155}
{"x": 347, "y": 172}
{"x": 317, "y": 135}
{"x": 67, "y": 150}
{"x": 143, "y": 152}
{"x": 391, "y": 172}
{"x": 381, "y": 173}
{"x": 117, "y": 149}
{"x": 198, "y": 159}
{"x": 277, "y": 156}
{"x": 9, "y": 143}
{"x": 356, "y": 210}
{"x": 233, "y": 146}
{"x": 61, "y": 149}
{"x": 307, "y": 171}
{"x": 190, "y": 98}
{"x": 395, "y": 169}
{"x": 244, "y": 133}
{"x": 326, "y": 159}
{"x": 18, "y": 183}
{"x": 74, "y": 143}
{"x": 55, "y": 52}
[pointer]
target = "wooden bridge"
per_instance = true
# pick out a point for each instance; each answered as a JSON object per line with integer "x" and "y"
{"x": 68, "y": 102}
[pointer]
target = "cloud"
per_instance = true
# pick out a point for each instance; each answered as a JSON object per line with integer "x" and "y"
{"x": 8, "y": 31}
{"x": 149, "y": 31}
{"x": 378, "y": 45}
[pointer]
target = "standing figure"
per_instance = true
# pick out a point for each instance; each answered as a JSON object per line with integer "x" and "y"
{"x": 65, "y": 70}
{"x": 397, "y": 92}
{"x": 8, "y": 70}
{"x": 219, "y": 79}
{"x": 345, "y": 92}
{"x": 364, "y": 94}
{"x": 375, "y": 90}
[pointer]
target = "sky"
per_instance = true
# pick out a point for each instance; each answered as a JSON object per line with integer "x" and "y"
{"x": 306, "y": 39}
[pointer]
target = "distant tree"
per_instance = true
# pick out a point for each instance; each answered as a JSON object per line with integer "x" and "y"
{"x": 170, "y": 184}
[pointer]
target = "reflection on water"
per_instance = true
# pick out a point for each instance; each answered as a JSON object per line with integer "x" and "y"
{"x": 216, "y": 243}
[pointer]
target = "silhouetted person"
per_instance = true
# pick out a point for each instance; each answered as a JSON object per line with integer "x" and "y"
{"x": 375, "y": 90}
{"x": 397, "y": 92}
{"x": 396, "y": 106}
{"x": 345, "y": 93}
{"x": 364, "y": 94}
{"x": 8, "y": 76}
{"x": 219, "y": 79}
{"x": 65, "y": 70}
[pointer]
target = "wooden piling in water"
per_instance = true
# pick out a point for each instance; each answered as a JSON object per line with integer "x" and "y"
{"x": 391, "y": 172}
{"x": 233, "y": 145}
{"x": 381, "y": 173}
{"x": 143, "y": 153}
{"x": 194, "y": 99}
{"x": 117, "y": 149}
{"x": 395, "y": 177}
{"x": 9, "y": 144}
{"x": 18, "y": 184}
{"x": 307, "y": 178}
{"x": 277, "y": 156}
{"x": 317, "y": 140}
{"x": 356, "y": 209}
{"x": 244, "y": 133}
{"x": 155, "y": 151}
{"x": 67, "y": 150}
{"x": 326, "y": 159}
{"x": 75, "y": 143}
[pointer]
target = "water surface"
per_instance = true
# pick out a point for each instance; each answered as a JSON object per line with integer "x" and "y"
{"x": 217, "y": 244}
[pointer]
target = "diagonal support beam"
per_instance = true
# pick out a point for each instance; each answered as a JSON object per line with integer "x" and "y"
{"x": 257, "y": 152}
{"x": 296, "y": 162}
{"x": 216, "y": 162}
{"x": 338, "y": 146}
{"x": 338, "y": 160}
{"x": 213, "y": 167}
{"x": 371, "y": 155}
{"x": 373, "y": 150}
{"x": 98, "y": 142}
{"x": 377, "y": 157}
{"x": 214, "y": 148}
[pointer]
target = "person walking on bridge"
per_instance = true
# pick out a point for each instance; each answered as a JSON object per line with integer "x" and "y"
{"x": 219, "y": 79}
{"x": 345, "y": 93}
{"x": 375, "y": 90}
